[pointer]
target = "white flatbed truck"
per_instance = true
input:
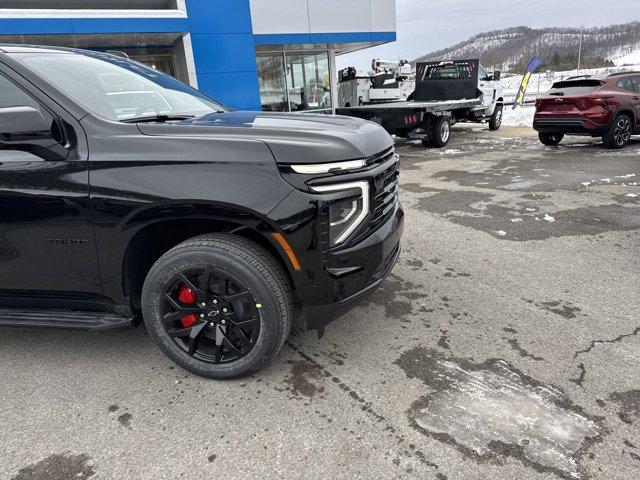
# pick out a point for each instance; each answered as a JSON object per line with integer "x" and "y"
{"x": 445, "y": 93}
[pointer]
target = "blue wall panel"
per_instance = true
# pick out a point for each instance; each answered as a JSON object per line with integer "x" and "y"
{"x": 231, "y": 52}
{"x": 219, "y": 16}
{"x": 334, "y": 37}
{"x": 238, "y": 90}
{"x": 224, "y": 51}
{"x": 59, "y": 26}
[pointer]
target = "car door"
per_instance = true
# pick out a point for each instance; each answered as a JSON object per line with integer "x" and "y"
{"x": 486, "y": 86}
{"x": 636, "y": 100}
{"x": 47, "y": 249}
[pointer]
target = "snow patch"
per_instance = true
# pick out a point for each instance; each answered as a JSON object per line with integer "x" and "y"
{"x": 482, "y": 408}
{"x": 520, "y": 117}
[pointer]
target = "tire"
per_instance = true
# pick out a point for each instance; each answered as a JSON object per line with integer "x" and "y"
{"x": 244, "y": 265}
{"x": 496, "y": 118}
{"x": 619, "y": 132}
{"x": 550, "y": 139}
{"x": 440, "y": 132}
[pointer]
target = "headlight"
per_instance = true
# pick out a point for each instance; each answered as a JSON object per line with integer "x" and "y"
{"x": 347, "y": 214}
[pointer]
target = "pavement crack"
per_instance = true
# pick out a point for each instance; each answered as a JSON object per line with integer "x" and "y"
{"x": 515, "y": 345}
{"x": 619, "y": 338}
{"x": 366, "y": 407}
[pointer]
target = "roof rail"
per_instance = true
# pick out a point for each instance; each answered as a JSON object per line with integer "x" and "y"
{"x": 117, "y": 53}
{"x": 619, "y": 74}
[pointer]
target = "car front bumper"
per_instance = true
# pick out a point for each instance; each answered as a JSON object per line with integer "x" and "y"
{"x": 369, "y": 263}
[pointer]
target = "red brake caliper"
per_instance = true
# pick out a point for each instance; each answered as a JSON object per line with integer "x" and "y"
{"x": 188, "y": 297}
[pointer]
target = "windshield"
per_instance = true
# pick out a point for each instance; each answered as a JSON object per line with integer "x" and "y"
{"x": 117, "y": 88}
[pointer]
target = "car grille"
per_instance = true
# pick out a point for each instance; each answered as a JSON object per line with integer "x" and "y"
{"x": 381, "y": 157}
{"x": 385, "y": 192}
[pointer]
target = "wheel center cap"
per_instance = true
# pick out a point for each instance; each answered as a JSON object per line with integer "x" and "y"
{"x": 213, "y": 312}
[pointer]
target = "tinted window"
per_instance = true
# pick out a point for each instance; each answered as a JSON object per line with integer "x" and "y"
{"x": 574, "y": 87}
{"x": 627, "y": 84}
{"x": 636, "y": 84}
{"x": 12, "y": 96}
{"x": 483, "y": 73}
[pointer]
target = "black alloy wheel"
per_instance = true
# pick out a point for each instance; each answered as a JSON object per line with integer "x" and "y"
{"x": 619, "y": 133}
{"x": 218, "y": 305}
{"x": 211, "y": 315}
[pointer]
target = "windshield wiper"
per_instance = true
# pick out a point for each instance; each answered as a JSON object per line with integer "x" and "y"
{"x": 156, "y": 118}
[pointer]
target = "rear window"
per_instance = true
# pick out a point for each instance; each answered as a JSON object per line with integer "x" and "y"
{"x": 574, "y": 87}
{"x": 457, "y": 71}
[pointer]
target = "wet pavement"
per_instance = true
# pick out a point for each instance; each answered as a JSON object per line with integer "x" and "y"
{"x": 505, "y": 345}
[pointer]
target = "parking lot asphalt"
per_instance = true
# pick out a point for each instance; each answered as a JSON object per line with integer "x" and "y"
{"x": 505, "y": 345}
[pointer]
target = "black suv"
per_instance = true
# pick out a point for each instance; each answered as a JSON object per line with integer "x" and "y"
{"x": 125, "y": 194}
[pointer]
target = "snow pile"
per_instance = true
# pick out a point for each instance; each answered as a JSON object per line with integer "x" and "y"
{"x": 520, "y": 117}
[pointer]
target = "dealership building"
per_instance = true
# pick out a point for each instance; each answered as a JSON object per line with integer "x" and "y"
{"x": 276, "y": 55}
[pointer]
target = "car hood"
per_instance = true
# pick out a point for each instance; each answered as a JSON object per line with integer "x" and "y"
{"x": 293, "y": 138}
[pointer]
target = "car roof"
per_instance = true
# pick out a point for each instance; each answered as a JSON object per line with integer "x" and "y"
{"x": 18, "y": 48}
{"x": 624, "y": 74}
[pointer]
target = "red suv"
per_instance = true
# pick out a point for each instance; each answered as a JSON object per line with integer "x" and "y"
{"x": 597, "y": 106}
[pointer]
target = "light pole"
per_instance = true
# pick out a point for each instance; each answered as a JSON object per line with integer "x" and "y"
{"x": 580, "y": 49}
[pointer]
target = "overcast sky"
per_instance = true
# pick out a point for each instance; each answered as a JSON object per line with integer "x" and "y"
{"x": 427, "y": 25}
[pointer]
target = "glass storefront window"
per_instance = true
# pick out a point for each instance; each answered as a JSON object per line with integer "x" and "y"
{"x": 308, "y": 81}
{"x": 295, "y": 81}
{"x": 273, "y": 94}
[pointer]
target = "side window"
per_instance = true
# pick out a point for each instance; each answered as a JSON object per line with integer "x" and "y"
{"x": 636, "y": 84}
{"x": 11, "y": 95}
{"x": 627, "y": 84}
{"x": 482, "y": 73}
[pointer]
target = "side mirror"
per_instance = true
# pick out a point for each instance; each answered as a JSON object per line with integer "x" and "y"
{"x": 18, "y": 124}
{"x": 497, "y": 75}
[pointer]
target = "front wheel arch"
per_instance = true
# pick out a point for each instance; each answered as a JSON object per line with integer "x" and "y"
{"x": 154, "y": 240}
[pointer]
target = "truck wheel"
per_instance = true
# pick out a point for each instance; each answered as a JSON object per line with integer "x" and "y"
{"x": 550, "y": 138}
{"x": 440, "y": 132}
{"x": 218, "y": 305}
{"x": 619, "y": 133}
{"x": 496, "y": 119}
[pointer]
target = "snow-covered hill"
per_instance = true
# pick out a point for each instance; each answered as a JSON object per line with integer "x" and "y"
{"x": 512, "y": 48}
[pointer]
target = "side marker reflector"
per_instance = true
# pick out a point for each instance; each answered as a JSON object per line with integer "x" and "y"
{"x": 288, "y": 250}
